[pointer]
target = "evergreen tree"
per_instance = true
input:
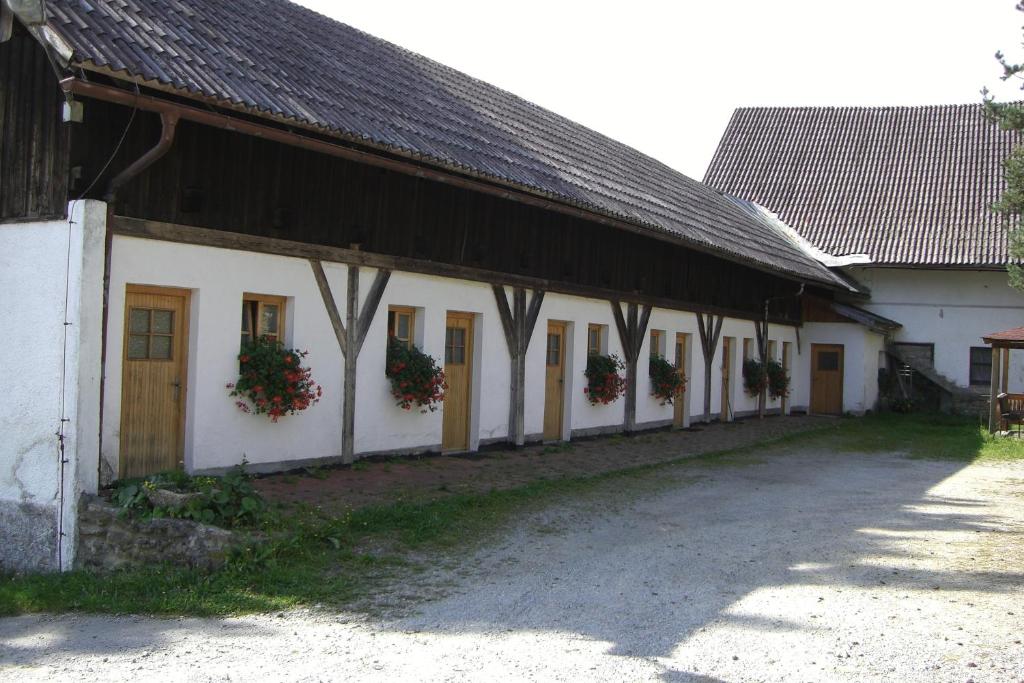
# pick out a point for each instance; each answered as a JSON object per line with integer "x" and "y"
{"x": 1010, "y": 116}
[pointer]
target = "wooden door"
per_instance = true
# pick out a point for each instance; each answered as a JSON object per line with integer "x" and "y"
{"x": 827, "y": 379}
{"x": 458, "y": 370}
{"x": 726, "y": 409}
{"x": 680, "y": 403}
{"x": 153, "y": 380}
{"x": 554, "y": 383}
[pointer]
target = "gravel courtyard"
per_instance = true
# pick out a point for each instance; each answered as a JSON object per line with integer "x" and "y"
{"x": 806, "y": 565}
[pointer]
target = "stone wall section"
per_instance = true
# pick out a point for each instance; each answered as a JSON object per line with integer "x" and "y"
{"x": 109, "y": 539}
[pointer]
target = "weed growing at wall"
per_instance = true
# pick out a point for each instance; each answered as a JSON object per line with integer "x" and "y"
{"x": 230, "y": 501}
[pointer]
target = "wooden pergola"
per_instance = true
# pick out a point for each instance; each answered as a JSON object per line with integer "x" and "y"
{"x": 1001, "y": 343}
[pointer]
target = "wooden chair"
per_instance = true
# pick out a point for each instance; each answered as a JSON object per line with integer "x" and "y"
{"x": 1011, "y": 411}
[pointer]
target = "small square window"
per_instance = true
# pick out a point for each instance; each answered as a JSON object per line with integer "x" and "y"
{"x": 595, "y": 339}
{"x": 455, "y": 346}
{"x": 554, "y": 352}
{"x": 656, "y": 338}
{"x": 150, "y": 334}
{"x": 402, "y": 324}
{"x": 828, "y": 361}
{"x": 262, "y": 316}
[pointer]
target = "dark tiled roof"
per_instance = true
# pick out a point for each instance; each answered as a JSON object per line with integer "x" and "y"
{"x": 283, "y": 61}
{"x": 905, "y": 185}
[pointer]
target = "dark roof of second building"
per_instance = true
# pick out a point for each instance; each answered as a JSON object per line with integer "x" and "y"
{"x": 282, "y": 61}
{"x": 905, "y": 185}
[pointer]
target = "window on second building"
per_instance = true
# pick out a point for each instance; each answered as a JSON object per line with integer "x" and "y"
{"x": 981, "y": 365}
{"x": 262, "y": 316}
{"x": 595, "y": 339}
{"x": 402, "y": 324}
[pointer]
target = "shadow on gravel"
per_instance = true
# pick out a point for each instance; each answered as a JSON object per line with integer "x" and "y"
{"x": 29, "y": 639}
{"x": 648, "y": 577}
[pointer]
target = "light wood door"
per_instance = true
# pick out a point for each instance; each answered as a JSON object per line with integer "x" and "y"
{"x": 726, "y": 410}
{"x": 153, "y": 380}
{"x": 458, "y": 370}
{"x": 827, "y": 379}
{"x": 680, "y": 402}
{"x": 554, "y": 383}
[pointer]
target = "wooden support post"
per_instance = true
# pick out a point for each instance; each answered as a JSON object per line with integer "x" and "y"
{"x": 518, "y": 323}
{"x": 710, "y": 331}
{"x": 350, "y": 335}
{"x": 761, "y": 331}
{"x": 993, "y": 404}
{"x": 1005, "y": 385}
{"x": 632, "y": 330}
{"x": 348, "y": 412}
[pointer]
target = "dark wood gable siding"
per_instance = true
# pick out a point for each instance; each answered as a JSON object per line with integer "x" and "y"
{"x": 227, "y": 181}
{"x": 33, "y": 140}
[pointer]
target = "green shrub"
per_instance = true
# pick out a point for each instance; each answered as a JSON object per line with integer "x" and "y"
{"x": 230, "y": 501}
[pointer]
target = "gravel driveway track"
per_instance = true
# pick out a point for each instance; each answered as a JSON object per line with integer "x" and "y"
{"x": 802, "y": 566}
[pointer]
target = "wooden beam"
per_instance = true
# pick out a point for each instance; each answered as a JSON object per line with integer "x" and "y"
{"x": 460, "y": 177}
{"x": 710, "y": 331}
{"x": 1005, "y": 385}
{"x": 370, "y": 306}
{"x": 620, "y": 325}
{"x": 761, "y": 330}
{"x": 187, "y": 234}
{"x": 632, "y": 329}
{"x": 330, "y": 305}
{"x": 350, "y": 334}
{"x": 348, "y": 422}
{"x": 994, "y": 418}
{"x": 507, "y": 324}
{"x": 536, "y": 299}
{"x": 517, "y": 323}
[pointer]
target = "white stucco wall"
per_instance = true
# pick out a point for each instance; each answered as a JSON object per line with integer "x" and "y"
{"x": 951, "y": 309}
{"x": 42, "y": 266}
{"x": 218, "y": 435}
{"x": 861, "y": 349}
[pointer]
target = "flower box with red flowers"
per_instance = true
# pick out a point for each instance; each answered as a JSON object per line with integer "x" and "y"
{"x": 415, "y": 377}
{"x": 666, "y": 383}
{"x": 272, "y": 380}
{"x": 604, "y": 383}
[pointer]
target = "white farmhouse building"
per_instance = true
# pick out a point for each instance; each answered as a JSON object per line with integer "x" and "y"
{"x": 179, "y": 178}
{"x": 900, "y": 198}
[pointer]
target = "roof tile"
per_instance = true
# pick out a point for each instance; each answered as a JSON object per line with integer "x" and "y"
{"x": 905, "y": 185}
{"x": 278, "y": 59}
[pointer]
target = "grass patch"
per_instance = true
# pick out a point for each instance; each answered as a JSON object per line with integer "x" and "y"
{"x": 320, "y": 560}
{"x": 925, "y": 436}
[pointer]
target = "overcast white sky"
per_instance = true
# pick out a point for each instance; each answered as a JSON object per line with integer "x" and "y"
{"x": 664, "y": 77}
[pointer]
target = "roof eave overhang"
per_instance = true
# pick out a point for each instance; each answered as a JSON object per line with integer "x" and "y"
{"x": 398, "y": 159}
